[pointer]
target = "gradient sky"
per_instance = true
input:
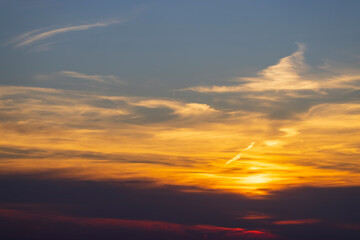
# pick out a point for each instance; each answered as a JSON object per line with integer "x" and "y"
{"x": 179, "y": 119}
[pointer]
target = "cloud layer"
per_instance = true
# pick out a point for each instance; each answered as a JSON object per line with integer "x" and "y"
{"x": 37, "y": 204}
{"x": 176, "y": 142}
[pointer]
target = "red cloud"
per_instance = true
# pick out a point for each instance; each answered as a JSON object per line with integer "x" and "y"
{"x": 140, "y": 225}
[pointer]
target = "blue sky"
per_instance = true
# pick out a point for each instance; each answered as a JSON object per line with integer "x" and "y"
{"x": 175, "y": 44}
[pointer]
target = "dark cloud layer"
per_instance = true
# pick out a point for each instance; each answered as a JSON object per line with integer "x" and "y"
{"x": 300, "y": 213}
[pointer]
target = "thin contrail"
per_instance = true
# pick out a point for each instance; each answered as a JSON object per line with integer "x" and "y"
{"x": 239, "y": 155}
{"x": 26, "y": 40}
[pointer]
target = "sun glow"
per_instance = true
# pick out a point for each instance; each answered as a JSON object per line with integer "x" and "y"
{"x": 257, "y": 179}
{"x": 179, "y": 142}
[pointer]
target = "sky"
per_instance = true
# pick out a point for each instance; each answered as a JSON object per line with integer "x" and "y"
{"x": 179, "y": 119}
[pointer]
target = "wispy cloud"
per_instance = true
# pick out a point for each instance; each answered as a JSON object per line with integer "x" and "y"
{"x": 289, "y": 74}
{"x": 179, "y": 108}
{"x": 285, "y": 75}
{"x": 39, "y": 34}
{"x": 98, "y": 78}
{"x": 23, "y": 36}
{"x": 65, "y": 74}
{"x": 240, "y": 154}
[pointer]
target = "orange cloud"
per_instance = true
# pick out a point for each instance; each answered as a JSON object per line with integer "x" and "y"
{"x": 256, "y": 216}
{"x": 297, "y": 221}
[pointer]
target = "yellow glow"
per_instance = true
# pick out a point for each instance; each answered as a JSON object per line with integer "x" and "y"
{"x": 257, "y": 179}
{"x": 317, "y": 148}
{"x": 272, "y": 142}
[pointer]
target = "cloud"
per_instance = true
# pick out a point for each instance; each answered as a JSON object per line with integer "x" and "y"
{"x": 8, "y": 152}
{"x": 29, "y": 109}
{"x": 23, "y": 36}
{"x": 180, "y": 108}
{"x": 39, "y": 34}
{"x": 240, "y": 154}
{"x": 70, "y": 127}
{"x": 32, "y": 214}
{"x": 289, "y": 74}
{"x": 285, "y": 75}
{"x": 168, "y": 228}
{"x": 289, "y": 132}
{"x": 296, "y": 221}
{"x": 97, "y": 78}
{"x": 256, "y": 216}
{"x": 67, "y": 79}
{"x": 31, "y": 200}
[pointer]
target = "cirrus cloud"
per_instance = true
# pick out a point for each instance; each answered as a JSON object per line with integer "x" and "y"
{"x": 37, "y": 35}
{"x": 290, "y": 74}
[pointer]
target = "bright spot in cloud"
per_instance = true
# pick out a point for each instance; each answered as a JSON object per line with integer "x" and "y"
{"x": 289, "y": 132}
{"x": 257, "y": 179}
{"x": 272, "y": 143}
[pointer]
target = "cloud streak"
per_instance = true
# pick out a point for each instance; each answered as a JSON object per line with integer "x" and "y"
{"x": 34, "y": 36}
{"x": 95, "y": 77}
{"x": 240, "y": 154}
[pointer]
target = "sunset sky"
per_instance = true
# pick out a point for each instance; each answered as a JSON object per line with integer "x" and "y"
{"x": 203, "y": 119}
